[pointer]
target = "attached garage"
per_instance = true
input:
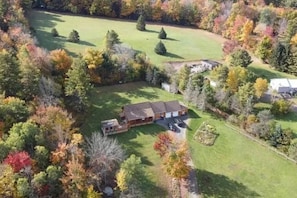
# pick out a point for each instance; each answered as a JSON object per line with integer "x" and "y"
{"x": 175, "y": 114}
{"x": 168, "y": 115}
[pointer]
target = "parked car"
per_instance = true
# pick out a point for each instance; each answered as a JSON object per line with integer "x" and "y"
{"x": 179, "y": 122}
{"x": 171, "y": 126}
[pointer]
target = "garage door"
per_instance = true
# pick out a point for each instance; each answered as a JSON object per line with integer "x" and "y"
{"x": 168, "y": 115}
{"x": 175, "y": 114}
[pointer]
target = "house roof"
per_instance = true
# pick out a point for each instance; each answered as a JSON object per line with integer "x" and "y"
{"x": 279, "y": 82}
{"x": 158, "y": 107}
{"x": 172, "y": 106}
{"x": 138, "y": 111}
{"x": 149, "y": 109}
{"x": 213, "y": 63}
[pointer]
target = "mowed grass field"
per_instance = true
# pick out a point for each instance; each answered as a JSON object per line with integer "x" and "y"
{"x": 234, "y": 167}
{"x": 182, "y": 43}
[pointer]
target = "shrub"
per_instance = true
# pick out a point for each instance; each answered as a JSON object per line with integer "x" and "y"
{"x": 160, "y": 48}
{"x": 162, "y": 34}
{"x": 73, "y": 36}
{"x": 54, "y": 32}
{"x": 281, "y": 107}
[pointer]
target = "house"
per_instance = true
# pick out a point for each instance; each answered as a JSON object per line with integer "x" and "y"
{"x": 169, "y": 87}
{"x": 209, "y": 64}
{"x": 141, "y": 114}
{"x": 283, "y": 85}
{"x": 147, "y": 112}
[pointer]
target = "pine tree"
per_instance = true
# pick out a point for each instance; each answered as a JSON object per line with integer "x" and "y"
{"x": 140, "y": 23}
{"x": 162, "y": 34}
{"x": 73, "y": 36}
{"x": 54, "y": 32}
{"x": 160, "y": 48}
{"x": 279, "y": 56}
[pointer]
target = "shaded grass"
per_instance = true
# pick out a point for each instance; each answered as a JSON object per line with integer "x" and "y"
{"x": 183, "y": 43}
{"x": 238, "y": 167}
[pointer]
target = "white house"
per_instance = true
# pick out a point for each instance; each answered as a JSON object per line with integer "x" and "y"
{"x": 283, "y": 85}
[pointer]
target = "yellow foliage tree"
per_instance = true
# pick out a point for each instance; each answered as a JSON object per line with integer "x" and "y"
{"x": 294, "y": 40}
{"x": 7, "y": 180}
{"x": 93, "y": 58}
{"x": 121, "y": 178}
{"x": 261, "y": 85}
{"x": 246, "y": 31}
{"x": 236, "y": 77}
{"x": 61, "y": 60}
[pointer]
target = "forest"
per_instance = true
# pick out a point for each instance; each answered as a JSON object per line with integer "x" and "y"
{"x": 42, "y": 151}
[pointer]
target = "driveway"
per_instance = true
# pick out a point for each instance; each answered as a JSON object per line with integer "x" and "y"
{"x": 180, "y": 134}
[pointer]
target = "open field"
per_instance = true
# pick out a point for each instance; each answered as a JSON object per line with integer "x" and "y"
{"x": 234, "y": 167}
{"x": 238, "y": 167}
{"x": 182, "y": 43}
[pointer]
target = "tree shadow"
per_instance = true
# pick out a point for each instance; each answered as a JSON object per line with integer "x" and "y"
{"x": 86, "y": 43}
{"x": 193, "y": 114}
{"x": 44, "y": 19}
{"x": 151, "y": 31}
{"x": 289, "y": 117}
{"x": 216, "y": 185}
{"x": 264, "y": 73}
{"x": 171, "y": 39}
{"x": 172, "y": 55}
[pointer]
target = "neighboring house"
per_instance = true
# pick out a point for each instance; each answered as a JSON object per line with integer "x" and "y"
{"x": 210, "y": 64}
{"x": 142, "y": 114}
{"x": 283, "y": 85}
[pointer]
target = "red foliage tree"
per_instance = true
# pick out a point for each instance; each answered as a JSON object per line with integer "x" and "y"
{"x": 163, "y": 143}
{"x": 18, "y": 160}
{"x": 229, "y": 46}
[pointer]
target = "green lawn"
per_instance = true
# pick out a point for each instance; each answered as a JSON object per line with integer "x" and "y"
{"x": 182, "y": 43}
{"x": 238, "y": 167}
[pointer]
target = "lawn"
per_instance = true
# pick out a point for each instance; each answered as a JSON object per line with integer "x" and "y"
{"x": 238, "y": 167}
{"x": 182, "y": 43}
{"x": 106, "y": 104}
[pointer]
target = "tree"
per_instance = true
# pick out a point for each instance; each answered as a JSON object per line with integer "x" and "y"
{"x": 18, "y": 160}
{"x": 264, "y": 48}
{"x": 236, "y": 77}
{"x": 93, "y": 58}
{"x": 163, "y": 144}
{"x": 9, "y": 74}
{"x": 131, "y": 175}
{"x": 221, "y": 74}
{"x": 140, "y": 23}
{"x": 293, "y": 149}
{"x": 260, "y": 86}
{"x": 160, "y": 48}
{"x": 183, "y": 77}
{"x": 162, "y": 34}
{"x": 61, "y": 61}
{"x": 54, "y": 32}
{"x": 279, "y": 56}
{"x": 77, "y": 85}
{"x": 73, "y": 36}
{"x": 111, "y": 38}
{"x": 23, "y": 187}
{"x": 104, "y": 155}
{"x": 7, "y": 181}
{"x": 281, "y": 107}
{"x": 267, "y": 16}
{"x": 74, "y": 179}
{"x": 54, "y": 174}
{"x": 240, "y": 58}
{"x": 39, "y": 183}
{"x": 292, "y": 59}
{"x": 41, "y": 156}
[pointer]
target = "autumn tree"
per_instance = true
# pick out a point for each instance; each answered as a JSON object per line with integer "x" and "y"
{"x": 75, "y": 179}
{"x": 140, "y": 23}
{"x": 93, "y": 58}
{"x": 281, "y": 107}
{"x": 104, "y": 156}
{"x": 18, "y": 160}
{"x": 61, "y": 61}
{"x": 23, "y": 187}
{"x": 160, "y": 48}
{"x": 77, "y": 85}
{"x": 236, "y": 77}
{"x": 163, "y": 144}
{"x": 39, "y": 184}
{"x": 7, "y": 181}
{"x": 260, "y": 86}
{"x": 54, "y": 174}
{"x": 240, "y": 58}
{"x": 73, "y": 36}
{"x": 183, "y": 77}
{"x": 41, "y": 156}
{"x": 162, "y": 34}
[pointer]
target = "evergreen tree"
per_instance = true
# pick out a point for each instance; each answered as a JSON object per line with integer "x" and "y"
{"x": 140, "y": 23}
{"x": 278, "y": 58}
{"x": 73, "y": 36}
{"x": 264, "y": 48}
{"x": 160, "y": 48}
{"x": 240, "y": 58}
{"x": 162, "y": 34}
{"x": 111, "y": 38}
{"x": 9, "y": 74}
{"x": 54, "y": 32}
{"x": 77, "y": 85}
{"x": 292, "y": 60}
